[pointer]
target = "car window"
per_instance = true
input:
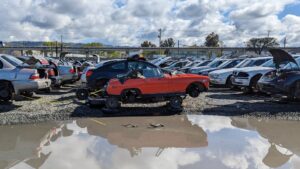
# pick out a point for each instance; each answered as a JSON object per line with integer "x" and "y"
{"x": 233, "y": 63}
{"x": 147, "y": 70}
{"x": 12, "y": 60}
{"x": 269, "y": 63}
{"x": 1, "y": 65}
{"x": 203, "y": 63}
{"x": 260, "y": 62}
{"x": 243, "y": 63}
{"x": 119, "y": 66}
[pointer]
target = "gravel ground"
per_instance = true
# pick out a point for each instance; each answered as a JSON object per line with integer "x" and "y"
{"x": 63, "y": 105}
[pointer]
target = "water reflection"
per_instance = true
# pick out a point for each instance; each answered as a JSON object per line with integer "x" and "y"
{"x": 283, "y": 136}
{"x": 152, "y": 142}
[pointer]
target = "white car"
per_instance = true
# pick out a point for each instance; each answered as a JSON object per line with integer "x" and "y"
{"x": 247, "y": 78}
{"x": 222, "y": 77}
{"x": 215, "y": 63}
{"x": 160, "y": 61}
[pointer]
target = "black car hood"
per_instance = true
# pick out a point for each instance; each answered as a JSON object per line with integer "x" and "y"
{"x": 280, "y": 57}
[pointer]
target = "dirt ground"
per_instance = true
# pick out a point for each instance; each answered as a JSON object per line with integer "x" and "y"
{"x": 62, "y": 105}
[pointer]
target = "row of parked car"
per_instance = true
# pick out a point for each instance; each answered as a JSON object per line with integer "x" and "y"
{"x": 24, "y": 75}
{"x": 277, "y": 74}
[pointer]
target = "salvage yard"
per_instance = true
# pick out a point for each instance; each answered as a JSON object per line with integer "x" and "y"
{"x": 62, "y": 105}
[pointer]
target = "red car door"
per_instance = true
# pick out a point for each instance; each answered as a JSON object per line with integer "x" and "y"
{"x": 157, "y": 85}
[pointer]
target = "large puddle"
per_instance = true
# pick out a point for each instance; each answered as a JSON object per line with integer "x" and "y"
{"x": 168, "y": 142}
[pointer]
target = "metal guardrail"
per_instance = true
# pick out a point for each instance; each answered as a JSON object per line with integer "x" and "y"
{"x": 43, "y": 48}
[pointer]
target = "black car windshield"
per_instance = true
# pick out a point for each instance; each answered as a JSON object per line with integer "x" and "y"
{"x": 12, "y": 60}
{"x": 204, "y": 63}
{"x": 215, "y": 63}
{"x": 224, "y": 64}
{"x": 243, "y": 63}
{"x": 269, "y": 63}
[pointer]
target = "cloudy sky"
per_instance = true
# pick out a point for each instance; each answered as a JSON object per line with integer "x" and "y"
{"x": 129, "y": 22}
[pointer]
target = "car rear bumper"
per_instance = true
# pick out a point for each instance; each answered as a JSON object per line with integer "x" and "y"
{"x": 31, "y": 85}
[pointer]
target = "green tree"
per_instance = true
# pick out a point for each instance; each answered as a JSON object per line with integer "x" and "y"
{"x": 259, "y": 44}
{"x": 51, "y": 44}
{"x": 212, "y": 40}
{"x": 29, "y": 52}
{"x": 148, "y": 44}
{"x": 93, "y": 44}
{"x": 167, "y": 43}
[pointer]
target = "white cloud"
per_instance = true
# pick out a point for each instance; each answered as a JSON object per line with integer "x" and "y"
{"x": 129, "y": 22}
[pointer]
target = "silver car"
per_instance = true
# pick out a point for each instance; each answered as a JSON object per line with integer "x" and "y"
{"x": 66, "y": 70}
{"x": 16, "y": 77}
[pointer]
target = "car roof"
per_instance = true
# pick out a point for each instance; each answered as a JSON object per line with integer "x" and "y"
{"x": 259, "y": 58}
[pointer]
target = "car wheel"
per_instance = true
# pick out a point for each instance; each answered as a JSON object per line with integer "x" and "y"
{"x": 194, "y": 90}
{"x": 253, "y": 84}
{"x": 27, "y": 94}
{"x": 175, "y": 102}
{"x": 112, "y": 103}
{"x": 48, "y": 90}
{"x": 82, "y": 94}
{"x": 6, "y": 91}
{"x": 130, "y": 95}
{"x": 229, "y": 83}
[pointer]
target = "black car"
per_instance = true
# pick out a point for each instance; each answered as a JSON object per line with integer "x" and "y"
{"x": 283, "y": 81}
{"x": 97, "y": 78}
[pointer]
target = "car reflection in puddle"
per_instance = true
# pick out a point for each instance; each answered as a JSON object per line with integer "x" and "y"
{"x": 152, "y": 142}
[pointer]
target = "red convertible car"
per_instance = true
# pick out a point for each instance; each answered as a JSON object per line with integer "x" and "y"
{"x": 150, "y": 84}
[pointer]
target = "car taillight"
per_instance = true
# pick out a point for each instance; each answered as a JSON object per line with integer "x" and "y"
{"x": 89, "y": 73}
{"x": 72, "y": 71}
{"x": 34, "y": 76}
{"x": 51, "y": 72}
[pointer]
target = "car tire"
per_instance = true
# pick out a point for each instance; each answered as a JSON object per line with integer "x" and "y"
{"x": 253, "y": 84}
{"x": 112, "y": 103}
{"x": 6, "y": 91}
{"x": 82, "y": 94}
{"x": 194, "y": 90}
{"x": 229, "y": 83}
{"x": 175, "y": 102}
{"x": 48, "y": 90}
{"x": 27, "y": 94}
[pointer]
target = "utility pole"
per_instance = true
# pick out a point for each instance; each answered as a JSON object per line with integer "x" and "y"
{"x": 61, "y": 44}
{"x": 284, "y": 42}
{"x": 56, "y": 48}
{"x": 269, "y": 31}
{"x": 178, "y": 46}
{"x": 159, "y": 36}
